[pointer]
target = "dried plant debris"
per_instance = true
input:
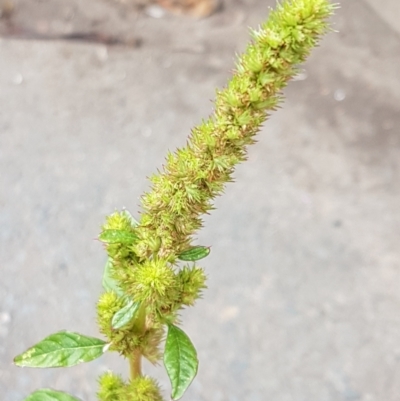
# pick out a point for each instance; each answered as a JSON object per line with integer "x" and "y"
{"x": 194, "y": 8}
{"x": 6, "y": 9}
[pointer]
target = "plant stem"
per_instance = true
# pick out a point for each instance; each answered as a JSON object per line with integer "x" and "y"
{"x": 135, "y": 364}
{"x": 135, "y": 361}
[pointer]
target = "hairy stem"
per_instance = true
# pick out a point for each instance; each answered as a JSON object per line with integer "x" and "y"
{"x": 135, "y": 361}
{"x": 135, "y": 364}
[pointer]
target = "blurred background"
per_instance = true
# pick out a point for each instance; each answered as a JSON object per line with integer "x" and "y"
{"x": 303, "y": 301}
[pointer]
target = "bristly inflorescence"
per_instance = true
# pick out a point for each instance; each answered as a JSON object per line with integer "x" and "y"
{"x": 197, "y": 173}
{"x": 144, "y": 256}
{"x": 151, "y": 273}
{"x": 113, "y": 388}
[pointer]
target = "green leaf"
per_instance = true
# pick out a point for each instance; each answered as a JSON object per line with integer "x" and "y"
{"x": 134, "y": 222}
{"x": 109, "y": 284}
{"x": 194, "y": 253}
{"x": 125, "y": 314}
{"x": 46, "y": 394}
{"x": 60, "y": 350}
{"x": 118, "y": 237}
{"x": 180, "y": 361}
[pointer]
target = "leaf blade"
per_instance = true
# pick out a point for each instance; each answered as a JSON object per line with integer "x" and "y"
{"x": 47, "y": 394}
{"x": 125, "y": 315}
{"x": 132, "y": 220}
{"x": 61, "y": 349}
{"x": 194, "y": 253}
{"x": 180, "y": 361}
{"x": 109, "y": 284}
{"x": 118, "y": 236}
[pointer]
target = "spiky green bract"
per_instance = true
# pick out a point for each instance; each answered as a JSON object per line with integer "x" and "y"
{"x": 133, "y": 336}
{"x": 197, "y": 173}
{"x": 142, "y": 388}
{"x": 110, "y": 387}
{"x": 120, "y": 221}
{"x": 191, "y": 281}
{"x": 153, "y": 281}
{"x": 121, "y": 340}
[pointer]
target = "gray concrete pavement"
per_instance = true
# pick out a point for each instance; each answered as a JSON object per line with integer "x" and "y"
{"x": 303, "y": 301}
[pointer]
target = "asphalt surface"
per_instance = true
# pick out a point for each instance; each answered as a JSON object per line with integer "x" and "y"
{"x": 303, "y": 301}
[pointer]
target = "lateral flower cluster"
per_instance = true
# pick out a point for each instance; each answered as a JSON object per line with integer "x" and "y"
{"x": 154, "y": 283}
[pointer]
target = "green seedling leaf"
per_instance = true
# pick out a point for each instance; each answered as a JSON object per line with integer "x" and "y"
{"x": 125, "y": 314}
{"x": 118, "y": 237}
{"x": 46, "y": 394}
{"x": 62, "y": 349}
{"x": 180, "y": 361}
{"x": 194, "y": 253}
{"x": 109, "y": 284}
